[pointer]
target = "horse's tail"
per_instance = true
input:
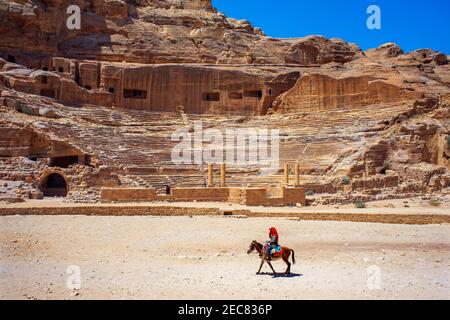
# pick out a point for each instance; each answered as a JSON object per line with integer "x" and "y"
{"x": 293, "y": 256}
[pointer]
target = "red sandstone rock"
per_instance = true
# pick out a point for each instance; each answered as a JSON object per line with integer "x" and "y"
{"x": 97, "y": 106}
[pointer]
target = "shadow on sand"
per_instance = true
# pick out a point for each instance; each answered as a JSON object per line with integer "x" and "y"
{"x": 281, "y": 274}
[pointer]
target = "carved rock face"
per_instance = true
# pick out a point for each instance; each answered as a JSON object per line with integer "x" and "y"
{"x": 102, "y": 101}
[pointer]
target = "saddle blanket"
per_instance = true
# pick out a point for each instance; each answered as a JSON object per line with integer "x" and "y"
{"x": 276, "y": 251}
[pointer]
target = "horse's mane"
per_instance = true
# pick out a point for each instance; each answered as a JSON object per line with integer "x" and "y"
{"x": 259, "y": 244}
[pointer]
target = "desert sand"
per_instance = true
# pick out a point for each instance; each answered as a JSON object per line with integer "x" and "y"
{"x": 145, "y": 257}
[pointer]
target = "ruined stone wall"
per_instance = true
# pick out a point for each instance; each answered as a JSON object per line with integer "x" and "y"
{"x": 328, "y": 187}
{"x": 258, "y": 197}
{"x": 200, "y": 194}
{"x": 254, "y": 197}
{"x": 379, "y": 181}
{"x": 293, "y": 196}
{"x": 247, "y": 196}
{"x": 128, "y": 194}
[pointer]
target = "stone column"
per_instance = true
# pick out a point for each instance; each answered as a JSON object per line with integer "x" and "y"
{"x": 223, "y": 172}
{"x": 210, "y": 174}
{"x": 286, "y": 174}
{"x": 297, "y": 174}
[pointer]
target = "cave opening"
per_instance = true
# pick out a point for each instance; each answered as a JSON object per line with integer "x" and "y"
{"x": 63, "y": 162}
{"x": 54, "y": 185}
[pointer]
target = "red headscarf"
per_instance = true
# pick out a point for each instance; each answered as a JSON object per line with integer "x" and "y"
{"x": 273, "y": 232}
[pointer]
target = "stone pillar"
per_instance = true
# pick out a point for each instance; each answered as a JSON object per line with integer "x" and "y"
{"x": 297, "y": 174}
{"x": 210, "y": 174}
{"x": 286, "y": 174}
{"x": 223, "y": 172}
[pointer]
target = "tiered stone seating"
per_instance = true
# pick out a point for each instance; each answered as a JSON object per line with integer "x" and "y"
{"x": 142, "y": 140}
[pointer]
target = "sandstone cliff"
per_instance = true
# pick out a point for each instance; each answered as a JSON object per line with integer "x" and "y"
{"x": 83, "y": 109}
{"x": 151, "y": 32}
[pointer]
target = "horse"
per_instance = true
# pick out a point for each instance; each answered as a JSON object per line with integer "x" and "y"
{"x": 285, "y": 254}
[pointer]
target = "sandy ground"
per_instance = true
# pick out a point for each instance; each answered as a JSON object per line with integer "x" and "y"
{"x": 205, "y": 258}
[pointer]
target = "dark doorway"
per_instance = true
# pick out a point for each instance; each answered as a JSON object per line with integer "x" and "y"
{"x": 137, "y": 94}
{"x": 63, "y": 162}
{"x": 253, "y": 94}
{"x": 211, "y": 96}
{"x": 54, "y": 186}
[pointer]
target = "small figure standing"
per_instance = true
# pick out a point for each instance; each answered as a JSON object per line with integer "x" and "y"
{"x": 273, "y": 242}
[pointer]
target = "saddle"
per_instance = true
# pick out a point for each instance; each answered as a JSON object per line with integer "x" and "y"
{"x": 275, "y": 252}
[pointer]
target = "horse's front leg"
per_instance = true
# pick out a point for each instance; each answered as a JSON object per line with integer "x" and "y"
{"x": 260, "y": 266}
{"x": 274, "y": 272}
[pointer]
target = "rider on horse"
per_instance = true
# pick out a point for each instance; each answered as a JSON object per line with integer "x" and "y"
{"x": 273, "y": 242}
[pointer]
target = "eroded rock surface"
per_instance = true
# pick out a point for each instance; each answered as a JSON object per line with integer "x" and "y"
{"x": 96, "y": 107}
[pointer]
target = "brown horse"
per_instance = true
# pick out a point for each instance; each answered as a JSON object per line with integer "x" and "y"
{"x": 285, "y": 254}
